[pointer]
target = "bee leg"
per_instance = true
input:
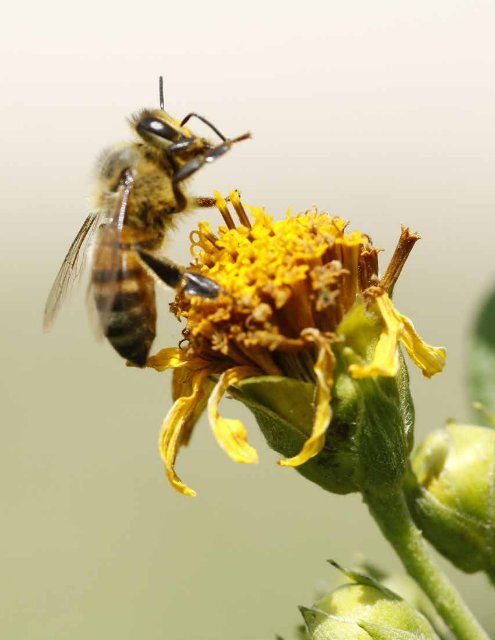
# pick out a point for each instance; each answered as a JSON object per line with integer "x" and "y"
{"x": 196, "y": 284}
{"x": 204, "y": 202}
{"x": 177, "y": 277}
{"x": 173, "y": 149}
{"x": 191, "y": 167}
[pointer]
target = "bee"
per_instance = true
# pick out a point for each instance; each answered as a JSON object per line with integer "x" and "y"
{"x": 139, "y": 190}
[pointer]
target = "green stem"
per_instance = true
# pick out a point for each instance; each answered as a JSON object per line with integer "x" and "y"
{"x": 393, "y": 517}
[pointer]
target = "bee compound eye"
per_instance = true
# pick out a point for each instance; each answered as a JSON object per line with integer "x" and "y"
{"x": 159, "y": 128}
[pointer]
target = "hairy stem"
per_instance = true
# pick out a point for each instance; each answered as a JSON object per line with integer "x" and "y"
{"x": 393, "y": 517}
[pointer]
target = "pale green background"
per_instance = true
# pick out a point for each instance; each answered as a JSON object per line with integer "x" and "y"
{"x": 383, "y": 112}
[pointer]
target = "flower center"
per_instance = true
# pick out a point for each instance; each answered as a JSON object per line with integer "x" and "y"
{"x": 278, "y": 279}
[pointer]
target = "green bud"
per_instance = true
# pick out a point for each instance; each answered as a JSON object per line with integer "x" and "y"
{"x": 363, "y": 609}
{"x": 452, "y": 496}
{"x": 408, "y": 590}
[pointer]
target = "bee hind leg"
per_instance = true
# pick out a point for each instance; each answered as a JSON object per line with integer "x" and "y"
{"x": 179, "y": 278}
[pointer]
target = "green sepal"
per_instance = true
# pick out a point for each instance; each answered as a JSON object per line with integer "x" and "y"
{"x": 283, "y": 408}
{"x": 481, "y": 362}
{"x": 370, "y": 435}
{"x": 323, "y": 626}
{"x": 384, "y": 435}
{"x": 365, "y": 579}
{"x": 383, "y": 632}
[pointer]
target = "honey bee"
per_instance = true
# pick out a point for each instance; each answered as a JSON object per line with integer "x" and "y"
{"x": 139, "y": 189}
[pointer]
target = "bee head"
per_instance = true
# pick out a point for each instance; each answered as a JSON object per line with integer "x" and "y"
{"x": 160, "y": 130}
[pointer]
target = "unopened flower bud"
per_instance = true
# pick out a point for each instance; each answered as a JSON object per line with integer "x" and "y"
{"x": 452, "y": 496}
{"x": 405, "y": 587}
{"x": 363, "y": 609}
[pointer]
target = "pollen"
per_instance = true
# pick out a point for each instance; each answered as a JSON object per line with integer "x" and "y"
{"x": 277, "y": 279}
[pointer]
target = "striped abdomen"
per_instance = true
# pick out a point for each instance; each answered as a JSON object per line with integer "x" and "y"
{"x": 125, "y": 299}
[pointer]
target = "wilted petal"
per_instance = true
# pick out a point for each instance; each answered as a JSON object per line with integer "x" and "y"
{"x": 397, "y": 327}
{"x": 231, "y": 433}
{"x": 178, "y": 424}
{"x": 169, "y": 358}
{"x": 386, "y": 358}
{"x": 430, "y": 360}
{"x": 323, "y": 369}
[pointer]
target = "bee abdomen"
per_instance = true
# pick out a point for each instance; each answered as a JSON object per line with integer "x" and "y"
{"x": 131, "y": 334}
{"x": 125, "y": 300}
{"x": 103, "y": 276}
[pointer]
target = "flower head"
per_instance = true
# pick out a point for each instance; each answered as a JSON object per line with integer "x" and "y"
{"x": 301, "y": 299}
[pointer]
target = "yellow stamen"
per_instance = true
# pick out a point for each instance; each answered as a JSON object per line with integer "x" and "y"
{"x": 221, "y": 205}
{"x": 239, "y": 209}
{"x": 231, "y": 433}
{"x": 323, "y": 369}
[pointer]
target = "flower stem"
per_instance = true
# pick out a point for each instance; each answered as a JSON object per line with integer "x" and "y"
{"x": 393, "y": 517}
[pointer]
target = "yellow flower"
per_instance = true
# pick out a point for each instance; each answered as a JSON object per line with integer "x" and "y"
{"x": 287, "y": 291}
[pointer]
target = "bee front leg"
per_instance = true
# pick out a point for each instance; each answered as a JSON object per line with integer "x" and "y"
{"x": 196, "y": 163}
{"x": 178, "y": 277}
{"x": 206, "y": 202}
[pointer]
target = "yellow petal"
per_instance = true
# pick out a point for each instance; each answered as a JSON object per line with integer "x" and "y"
{"x": 397, "y": 327}
{"x": 183, "y": 385}
{"x": 177, "y": 426}
{"x": 386, "y": 358}
{"x": 323, "y": 369}
{"x": 230, "y": 433}
{"x": 170, "y": 358}
{"x": 430, "y": 360}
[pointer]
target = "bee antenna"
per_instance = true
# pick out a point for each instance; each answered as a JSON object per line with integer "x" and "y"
{"x": 207, "y": 123}
{"x": 160, "y": 90}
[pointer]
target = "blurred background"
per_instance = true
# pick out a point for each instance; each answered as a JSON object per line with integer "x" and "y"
{"x": 380, "y": 112}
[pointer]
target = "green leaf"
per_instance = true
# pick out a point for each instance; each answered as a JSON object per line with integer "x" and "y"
{"x": 481, "y": 363}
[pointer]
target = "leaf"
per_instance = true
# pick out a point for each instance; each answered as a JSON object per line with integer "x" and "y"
{"x": 481, "y": 364}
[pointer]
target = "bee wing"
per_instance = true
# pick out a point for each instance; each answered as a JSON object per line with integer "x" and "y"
{"x": 70, "y": 271}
